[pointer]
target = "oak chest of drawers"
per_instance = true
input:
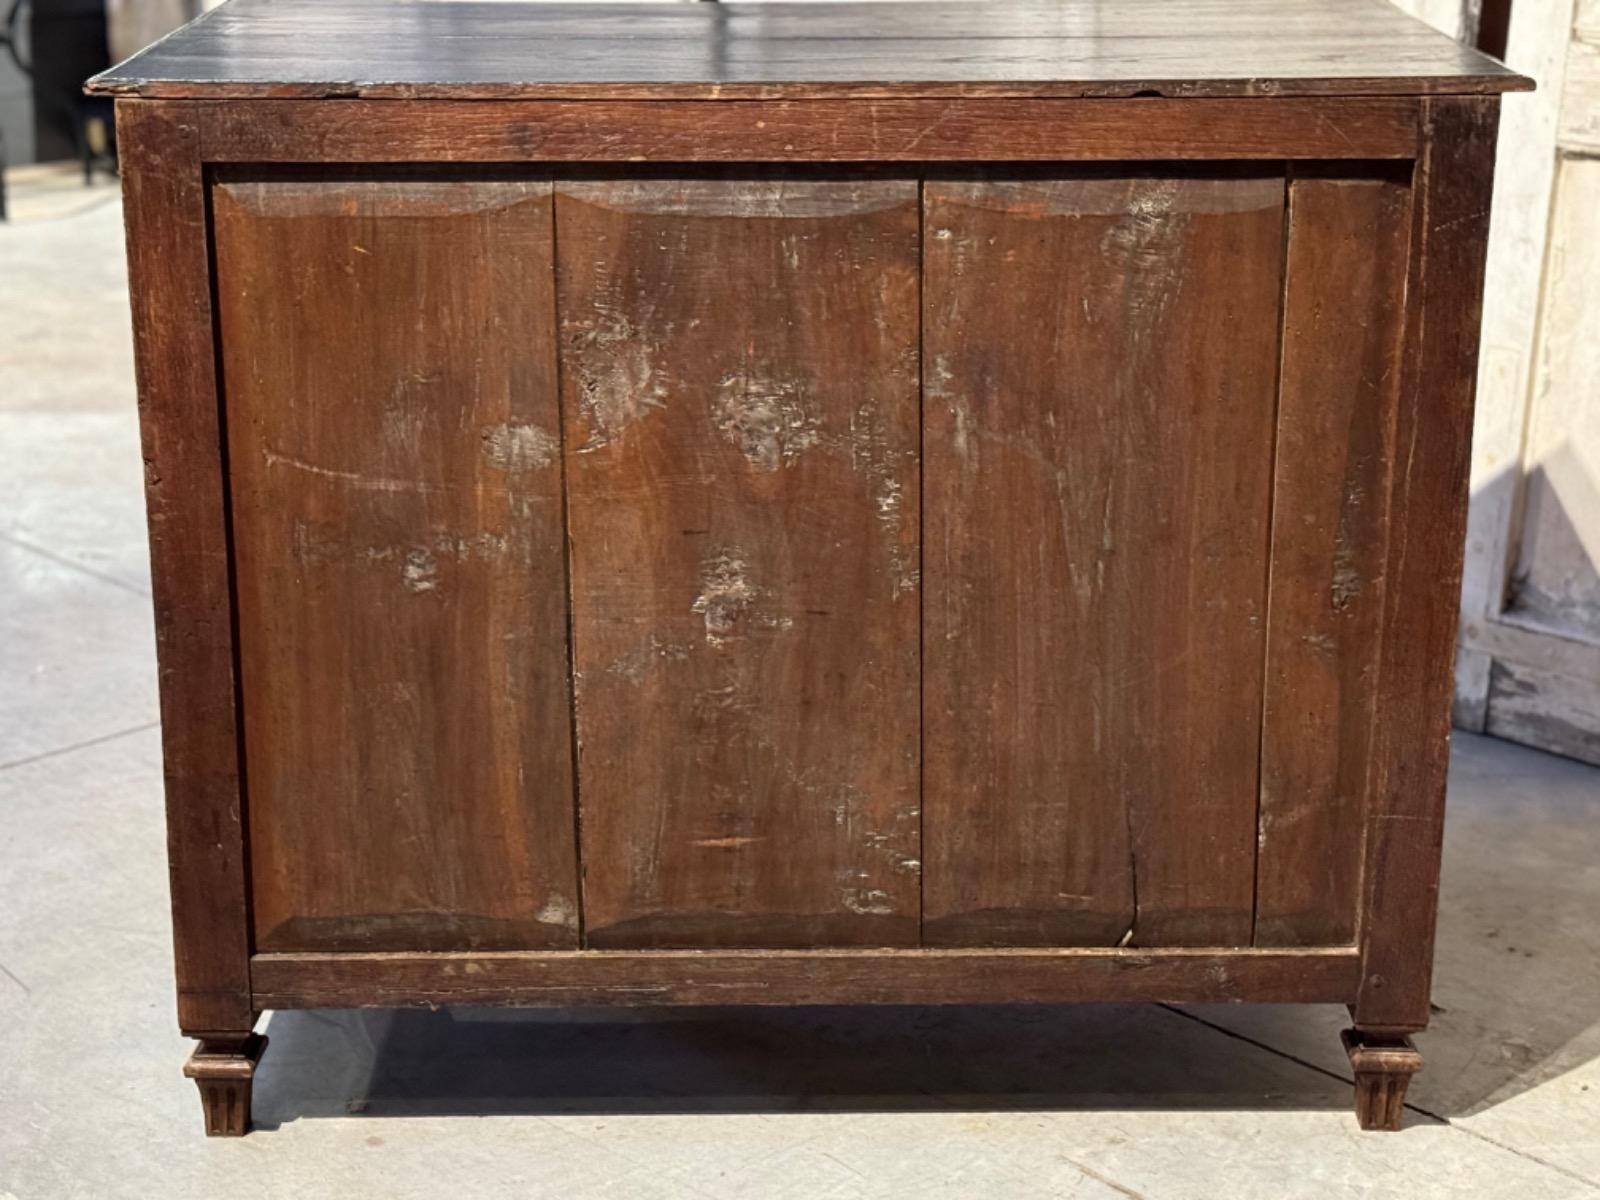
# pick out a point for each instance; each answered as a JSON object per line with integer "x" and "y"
{"x": 881, "y": 503}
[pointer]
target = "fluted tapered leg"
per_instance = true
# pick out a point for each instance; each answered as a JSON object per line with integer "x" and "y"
{"x": 224, "y": 1069}
{"x": 1383, "y": 1068}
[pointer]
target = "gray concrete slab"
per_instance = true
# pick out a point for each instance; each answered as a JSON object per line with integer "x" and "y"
{"x": 1092, "y": 1102}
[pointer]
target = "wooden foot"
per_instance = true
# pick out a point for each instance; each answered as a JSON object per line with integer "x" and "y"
{"x": 1383, "y": 1067}
{"x": 223, "y": 1068}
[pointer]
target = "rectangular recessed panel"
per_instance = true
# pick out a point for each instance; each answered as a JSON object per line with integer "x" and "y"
{"x": 1100, "y": 364}
{"x": 1343, "y": 322}
{"x": 394, "y": 451}
{"x": 739, "y": 380}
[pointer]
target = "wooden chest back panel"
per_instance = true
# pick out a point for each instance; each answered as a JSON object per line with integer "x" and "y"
{"x": 1110, "y": 685}
{"x": 740, "y": 387}
{"x": 394, "y": 456}
{"x": 1101, "y": 358}
{"x": 1171, "y": 530}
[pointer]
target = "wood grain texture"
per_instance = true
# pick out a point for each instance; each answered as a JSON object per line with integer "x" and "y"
{"x": 1428, "y": 503}
{"x": 394, "y": 450}
{"x": 180, "y": 427}
{"x": 1101, "y": 356}
{"x": 739, "y": 383}
{"x": 1344, "y": 322}
{"x": 418, "y": 48}
{"x": 842, "y": 130}
{"x": 668, "y": 977}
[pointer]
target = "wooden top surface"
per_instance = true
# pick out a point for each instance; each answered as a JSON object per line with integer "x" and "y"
{"x": 612, "y": 49}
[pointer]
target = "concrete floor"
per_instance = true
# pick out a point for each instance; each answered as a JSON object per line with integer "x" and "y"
{"x": 1089, "y": 1102}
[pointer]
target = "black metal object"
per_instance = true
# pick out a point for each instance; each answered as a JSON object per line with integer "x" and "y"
{"x": 67, "y": 43}
{"x": 8, "y": 39}
{"x": 72, "y": 37}
{"x": 8, "y": 35}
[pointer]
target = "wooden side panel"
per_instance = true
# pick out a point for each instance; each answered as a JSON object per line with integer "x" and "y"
{"x": 169, "y": 277}
{"x": 739, "y": 380}
{"x": 1428, "y": 502}
{"x": 1344, "y": 319}
{"x": 394, "y": 444}
{"x": 1101, "y": 353}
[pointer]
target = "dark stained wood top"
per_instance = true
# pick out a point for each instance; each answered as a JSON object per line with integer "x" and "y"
{"x": 477, "y": 49}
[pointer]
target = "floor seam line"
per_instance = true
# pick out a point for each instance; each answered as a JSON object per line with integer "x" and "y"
{"x": 76, "y": 566}
{"x": 1418, "y": 1109}
{"x": 94, "y": 741}
{"x": 1105, "y": 1180}
{"x": 1284, "y": 1054}
{"x": 1522, "y": 1154}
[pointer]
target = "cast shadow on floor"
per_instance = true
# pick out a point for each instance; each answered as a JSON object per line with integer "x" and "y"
{"x": 772, "y": 1060}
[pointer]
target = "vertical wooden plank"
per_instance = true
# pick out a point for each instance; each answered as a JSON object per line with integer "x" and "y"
{"x": 1428, "y": 503}
{"x": 1344, "y": 320}
{"x": 1101, "y": 356}
{"x": 169, "y": 276}
{"x": 739, "y": 381}
{"x": 394, "y": 446}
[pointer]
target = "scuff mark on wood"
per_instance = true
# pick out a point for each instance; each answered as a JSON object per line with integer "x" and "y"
{"x": 868, "y": 901}
{"x": 885, "y": 844}
{"x": 634, "y": 665}
{"x": 873, "y": 454}
{"x": 558, "y": 910}
{"x": 407, "y": 410}
{"x": 1346, "y": 583}
{"x": 316, "y": 545}
{"x": 1148, "y": 243}
{"x": 725, "y": 593}
{"x": 516, "y": 449}
{"x": 356, "y": 479}
{"x": 962, "y": 438}
{"x": 765, "y": 417}
{"x": 617, "y": 380}
{"x": 420, "y": 573}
